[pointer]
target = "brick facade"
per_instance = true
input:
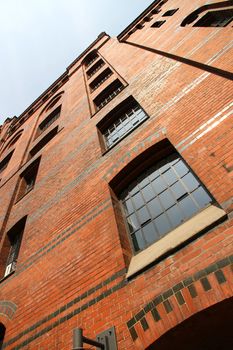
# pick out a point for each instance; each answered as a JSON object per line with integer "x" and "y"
{"x": 75, "y": 255}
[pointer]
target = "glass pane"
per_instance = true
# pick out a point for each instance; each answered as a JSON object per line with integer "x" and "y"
{"x": 143, "y": 215}
{"x": 190, "y": 182}
{"x": 181, "y": 168}
{"x": 164, "y": 167}
{"x": 153, "y": 173}
{"x": 175, "y": 216}
{"x": 178, "y": 190}
{"x": 162, "y": 224}
{"x": 170, "y": 177}
{"x": 143, "y": 181}
{"x": 166, "y": 199}
{"x": 188, "y": 207}
{"x": 133, "y": 223}
{"x": 150, "y": 233}
{"x": 155, "y": 208}
{"x": 138, "y": 200}
{"x": 201, "y": 197}
{"x": 128, "y": 206}
{"x": 138, "y": 241}
{"x": 148, "y": 193}
{"x": 133, "y": 188}
{"x": 159, "y": 185}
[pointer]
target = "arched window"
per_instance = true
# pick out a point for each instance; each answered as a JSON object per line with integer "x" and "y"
{"x": 2, "y": 334}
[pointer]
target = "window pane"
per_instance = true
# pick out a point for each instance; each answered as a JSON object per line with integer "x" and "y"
{"x": 138, "y": 200}
{"x": 162, "y": 224}
{"x": 148, "y": 193}
{"x": 138, "y": 241}
{"x": 188, "y": 207}
{"x": 150, "y": 233}
{"x": 181, "y": 168}
{"x": 166, "y": 199}
{"x": 128, "y": 206}
{"x": 170, "y": 177}
{"x": 159, "y": 185}
{"x": 143, "y": 215}
{"x": 133, "y": 222}
{"x": 178, "y": 190}
{"x": 175, "y": 216}
{"x": 155, "y": 207}
{"x": 190, "y": 182}
{"x": 201, "y": 197}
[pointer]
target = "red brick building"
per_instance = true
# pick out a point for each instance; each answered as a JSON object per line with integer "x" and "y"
{"x": 116, "y": 191}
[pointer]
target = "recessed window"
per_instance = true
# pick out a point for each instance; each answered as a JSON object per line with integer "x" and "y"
{"x": 121, "y": 121}
{"x": 49, "y": 120}
{"x": 5, "y": 161}
{"x": 92, "y": 57}
{"x": 101, "y": 79}
{"x": 220, "y": 18}
{"x": 108, "y": 94}
{"x": 170, "y": 12}
{"x": 49, "y": 136}
{"x": 14, "y": 238}
{"x": 95, "y": 68}
{"x": 28, "y": 178}
{"x": 160, "y": 199}
{"x": 158, "y": 24}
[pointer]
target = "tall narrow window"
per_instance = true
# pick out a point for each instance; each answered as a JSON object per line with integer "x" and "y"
{"x": 95, "y": 68}
{"x": 120, "y": 121}
{"x": 5, "y": 161}
{"x": 160, "y": 199}
{"x": 49, "y": 136}
{"x": 28, "y": 178}
{"x": 14, "y": 237}
{"x": 52, "y": 117}
{"x": 108, "y": 94}
{"x": 101, "y": 79}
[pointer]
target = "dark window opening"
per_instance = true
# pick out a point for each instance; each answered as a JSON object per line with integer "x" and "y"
{"x": 90, "y": 59}
{"x": 48, "y": 121}
{"x": 160, "y": 199}
{"x": 121, "y": 121}
{"x": 95, "y": 68}
{"x": 28, "y": 178}
{"x": 219, "y": 18}
{"x": 2, "y": 335}
{"x": 158, "y": 24}
{"x": 50, "y": 135}
{"x": 108, "y": 94}
{"x": 5, "y": 162}
{"x": 14, "y": 237}
{"x": 140, "y": 26}
{"x": 170, "y": 12}
{"x": 101, "y": 79}
{"x": 148, "y": 18}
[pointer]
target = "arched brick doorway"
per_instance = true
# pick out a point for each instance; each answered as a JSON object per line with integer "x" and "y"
{"x": 210, "y": 329}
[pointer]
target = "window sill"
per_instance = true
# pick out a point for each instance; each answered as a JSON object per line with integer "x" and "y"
{"x": 175, "y": 238}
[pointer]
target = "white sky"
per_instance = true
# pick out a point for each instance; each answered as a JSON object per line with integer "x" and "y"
{"x": 40, "y": 38}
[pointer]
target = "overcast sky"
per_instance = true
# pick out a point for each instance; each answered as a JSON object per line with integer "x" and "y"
{"x": 40, "y": 38}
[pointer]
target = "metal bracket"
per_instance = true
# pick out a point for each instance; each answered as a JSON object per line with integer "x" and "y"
{"x": 105, "y": 340}
{"x": 108, "y": 338}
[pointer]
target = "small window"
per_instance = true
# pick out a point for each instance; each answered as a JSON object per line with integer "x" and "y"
{"x": 219, "y": 18}
{"x": 160, "y": 199}
{"x": 90, "y": 59}
{"x": 158, "y": 24}
{"x": 170, "y": 12}
{"x": 2, "y": 335}
{"x": 28, "y": 178}
{"x": 101, "y": 79}
{"x": 49, "y": 136}
{"x": 48, "y": 121}
{"x": 108, "y": 94}
{"x": 121, "y": 121}
{"x": 5, "y": 161}
{"x": 14, "y": 238}
{"x": 95, "y": 68}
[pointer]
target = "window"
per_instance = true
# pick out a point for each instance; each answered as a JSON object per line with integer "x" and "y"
{"x": 170, "y": 12}
{"x": 50, "y": 135}
{"x": 2, "y": 335}
{"x": 28, "y": 178}
{"x": 49, "y": 120}
{"x": 160, "y": 199}
{"x": 101, "y": 79}
{"x": 108, "y": 94}
{"x": 219, "y": 18}
{"x": 90, "y": 59}
{"x": 14, "y": 237}
{"x": 95, "y": 68}
{"x": 158, "y": 24}
{"x": 5, "y": 161}
{"x": 120, "y": 121}
{"x": 13, "y": 140}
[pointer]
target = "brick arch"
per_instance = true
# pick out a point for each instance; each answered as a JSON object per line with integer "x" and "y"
{"x": 196, "y": 293}
{"x": 7, "y": 310}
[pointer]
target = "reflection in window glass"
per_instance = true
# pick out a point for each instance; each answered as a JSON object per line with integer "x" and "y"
{"x": 160, "y": 199}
